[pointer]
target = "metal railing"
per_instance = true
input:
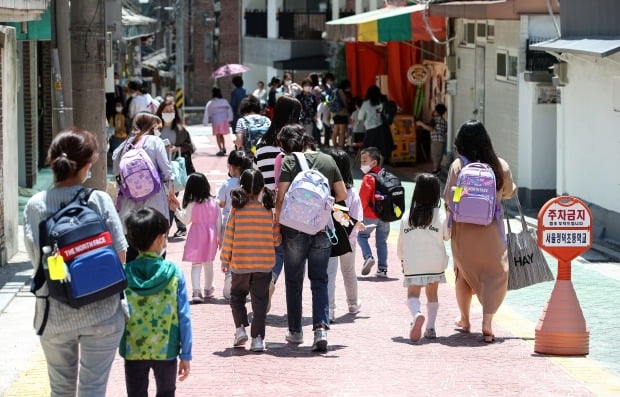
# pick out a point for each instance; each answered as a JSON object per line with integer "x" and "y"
{"x": 537, "y": 61}
{"x": 256, "y": 23}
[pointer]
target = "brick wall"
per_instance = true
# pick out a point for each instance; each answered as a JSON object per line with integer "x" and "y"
{"x": 30, "y": 112}
{"x": 45, "y": 99}
{"x": 198, "y": 82}
{"x": 3, "y": 250}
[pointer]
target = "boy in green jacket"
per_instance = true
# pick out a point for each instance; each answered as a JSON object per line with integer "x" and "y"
{"x": 159, "y": 327}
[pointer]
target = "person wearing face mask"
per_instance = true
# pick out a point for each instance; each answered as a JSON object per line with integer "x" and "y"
{"x": 79, "y": 344}
{"x": 146, "y": 132}
{"x": 177, "y": 138}
{"x": 308, "y": 111}
{"x": 289, "y": 87}
{"x": 119, "y": 122}
{"x": 370, "y": 160}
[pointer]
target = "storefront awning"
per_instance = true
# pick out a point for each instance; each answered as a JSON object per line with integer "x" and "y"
{"x": 153, "y": 60}
{"x": 136, "y": 25}
{"x": 386, "y": 24}
{"x": 599, "y": 46}
{"x": 21, "y": 10}
{"x": 315, "y": 63}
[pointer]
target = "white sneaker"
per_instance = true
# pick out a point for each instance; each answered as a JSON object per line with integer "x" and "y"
{"x": 320, "y": 340}
{"x": 416, "y": 327}
{"x": 382, "y": 273}
{"x": 294, "y": 337}
{"x": 354, "y": 309}
{"x": 227, "y": 286}
{"x": 209, "y": 293}
{"x": 240, "y": 337}
{"x": 197, "y": 297}
{"x": 368, "y": 264}
{"x": 332, "y": 316}
{"x": 258, "y": 344}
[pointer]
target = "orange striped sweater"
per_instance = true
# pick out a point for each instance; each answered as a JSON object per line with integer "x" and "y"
{"x": 249, "y": 239}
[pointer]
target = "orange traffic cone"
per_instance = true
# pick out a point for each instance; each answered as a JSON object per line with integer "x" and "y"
{"x": 562, "y": 328}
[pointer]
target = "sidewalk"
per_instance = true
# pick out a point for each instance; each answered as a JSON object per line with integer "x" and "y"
{"x": 370, "y": 354}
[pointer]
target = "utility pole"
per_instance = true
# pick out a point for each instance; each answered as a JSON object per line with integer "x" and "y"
{"x": 62, "y": 105}
{"x": 88, "y": 68}
{"x": 179, "y": 69}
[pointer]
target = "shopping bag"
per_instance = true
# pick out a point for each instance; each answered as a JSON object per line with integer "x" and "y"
{"x": 179, "y": 170}
{"x": 526, "y": 263}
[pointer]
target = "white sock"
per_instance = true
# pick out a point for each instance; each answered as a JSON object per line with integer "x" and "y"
{"x": 196, "y": 269}
{"x": 432, "y": 308}
{"x": 208, "y": 267}
{"x": 414, "y": 305}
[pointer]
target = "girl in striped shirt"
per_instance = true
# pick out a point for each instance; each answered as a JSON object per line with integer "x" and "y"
{"x": 248, "y": 252}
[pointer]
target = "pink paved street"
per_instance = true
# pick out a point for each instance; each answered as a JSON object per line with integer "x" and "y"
{"x": 369, "y": 354}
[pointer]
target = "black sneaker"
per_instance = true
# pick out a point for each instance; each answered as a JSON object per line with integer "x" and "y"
{"x": 368, "y": 264}
{"x": 180, "y": 233}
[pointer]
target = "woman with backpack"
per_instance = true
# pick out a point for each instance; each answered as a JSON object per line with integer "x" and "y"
{"x": 299, "y": 246}
{"x": 147, "y": 154}
{"x": 479, "y": 251}
{"x": 79, "y": 344}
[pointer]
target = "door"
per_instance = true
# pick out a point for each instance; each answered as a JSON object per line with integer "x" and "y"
{"x": 480, "y": 74}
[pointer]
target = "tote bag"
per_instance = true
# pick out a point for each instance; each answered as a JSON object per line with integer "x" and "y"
{"x": 527, "y": 265}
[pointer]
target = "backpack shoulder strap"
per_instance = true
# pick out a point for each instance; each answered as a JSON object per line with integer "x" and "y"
{"x": 301, "y": 159}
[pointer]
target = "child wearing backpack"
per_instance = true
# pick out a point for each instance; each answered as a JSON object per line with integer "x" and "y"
{"x": 370, "y": 160}
{"x": 422, "y": 252}
{"x": 143, "y": 171}
{"x": 238, "y": 161}
{"x": 248, "y": 253}
{"x": 438, "y": 127}
{"x": 202, "y": 211}
{"x": 478, "y": 247}
{"x": 158, "y": 310}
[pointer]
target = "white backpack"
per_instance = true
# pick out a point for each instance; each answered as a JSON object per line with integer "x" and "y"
{"x": 308, "y": 203}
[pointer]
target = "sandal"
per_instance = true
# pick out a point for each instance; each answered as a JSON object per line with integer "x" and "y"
{"x": 488, "y": 336}
{"x": 460, "y": 327}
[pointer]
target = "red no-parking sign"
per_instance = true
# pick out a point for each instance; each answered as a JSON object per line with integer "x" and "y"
{"x": 565, "y": 228}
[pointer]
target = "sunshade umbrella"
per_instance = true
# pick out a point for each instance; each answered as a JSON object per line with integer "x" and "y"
{"x": 229, "y": 70}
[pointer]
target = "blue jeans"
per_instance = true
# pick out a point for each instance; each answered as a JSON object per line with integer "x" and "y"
{"x": 381, "y": 235}
{"x": 299, "y": 247}
{"x": 91, "y": 349}
{"x": 277, "y": 268}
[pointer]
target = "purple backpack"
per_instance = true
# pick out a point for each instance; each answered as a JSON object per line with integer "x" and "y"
{"x": 474, "y": 198}
{"x": 138, "y": 177}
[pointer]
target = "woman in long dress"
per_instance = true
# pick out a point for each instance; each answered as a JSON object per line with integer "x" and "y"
{"x": 480, "y": 254}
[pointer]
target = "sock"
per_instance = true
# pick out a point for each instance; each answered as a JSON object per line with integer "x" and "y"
{"x": 414, "y": 305}
{"x": 432, "y": 308}
{"x": 208, "y": 268}
{"x": 196, "y": 268}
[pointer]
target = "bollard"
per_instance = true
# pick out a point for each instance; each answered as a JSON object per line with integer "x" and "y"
{"x": 565, "y": 232}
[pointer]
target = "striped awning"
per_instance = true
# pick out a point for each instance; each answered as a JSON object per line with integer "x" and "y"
{"x": 387, "y": 24}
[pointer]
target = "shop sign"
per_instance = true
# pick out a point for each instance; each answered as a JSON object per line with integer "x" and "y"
{"x": 418, "y": 74}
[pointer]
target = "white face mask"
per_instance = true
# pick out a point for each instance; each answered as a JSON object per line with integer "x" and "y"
{"x": 116, "y": 82}
{"x": 288, "y": 82}
{"x": 168, "y": 117}
{"x": 365, "y": 168}
{"x": 157, "y": 132}
{"x": 119, "y": 109}
{"x": 307, "y": 88}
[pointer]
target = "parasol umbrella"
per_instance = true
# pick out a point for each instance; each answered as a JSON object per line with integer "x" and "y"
{"x": 229, "y": 70}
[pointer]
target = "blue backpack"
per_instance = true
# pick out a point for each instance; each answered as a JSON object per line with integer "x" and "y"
{"x": 334, "y": 102}
{"x": 78, "y": 263}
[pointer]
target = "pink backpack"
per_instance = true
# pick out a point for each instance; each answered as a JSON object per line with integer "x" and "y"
{"x": 474, "y": 198}
{"x": 138, "y": 177}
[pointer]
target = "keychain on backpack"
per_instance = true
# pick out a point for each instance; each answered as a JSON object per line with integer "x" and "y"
{"x": 56, "y": 265}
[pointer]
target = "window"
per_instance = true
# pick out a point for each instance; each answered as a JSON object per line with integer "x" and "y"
{"x": 491, "y": 31}
{"x": 501, "y": 73}
{"x": 469, "y": 34}
{"x": 507, "y": 65}
{"x": 481, "y": 30}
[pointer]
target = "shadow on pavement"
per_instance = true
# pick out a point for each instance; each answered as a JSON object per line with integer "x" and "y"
{"x": 348, "y": 319}
{"x": 376, "y": 279}
{"x": 281, "y": 321}
{"x": 277, "y": 349}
